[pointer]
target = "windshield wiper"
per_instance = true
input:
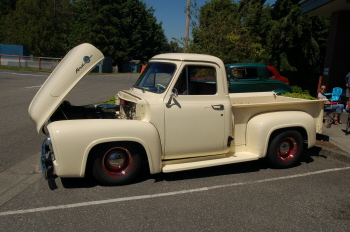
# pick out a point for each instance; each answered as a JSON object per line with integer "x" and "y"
{"x": 138, "y": 87}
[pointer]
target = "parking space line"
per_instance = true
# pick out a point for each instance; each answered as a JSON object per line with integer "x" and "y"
{"x": 123, "y": 199}
{"x": 26, "y": 74}
{"x": 34, "y": 86}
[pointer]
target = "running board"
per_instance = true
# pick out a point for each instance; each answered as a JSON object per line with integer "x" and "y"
{"x": 237, "y": 158}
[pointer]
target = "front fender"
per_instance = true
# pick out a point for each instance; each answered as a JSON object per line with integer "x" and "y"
{"x": 260, "y": 128}
{"x": 72, "y": 141}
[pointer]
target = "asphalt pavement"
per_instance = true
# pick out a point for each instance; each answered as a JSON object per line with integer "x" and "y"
{"x": 251, "y": 196}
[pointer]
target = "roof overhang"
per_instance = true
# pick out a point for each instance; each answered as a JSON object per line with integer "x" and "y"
{"x": 323, "y": 7}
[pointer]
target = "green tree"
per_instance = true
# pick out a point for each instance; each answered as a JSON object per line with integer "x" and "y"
{"x": 214, "y": 33}
{"x": 231, "y": 31}
{"x": 254, "y": 18}
{"x": 297, "y": 43}
{"x": 174, "y": 46}
{"x": 40, "y": 25}
{"x": 123, "y": 30}
{"x": 251, "y": 31}
{"x": 5, "y": 7}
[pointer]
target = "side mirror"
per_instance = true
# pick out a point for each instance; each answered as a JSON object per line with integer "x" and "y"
{"x": 173, "y": 95}
{"x": 175, "y": 92}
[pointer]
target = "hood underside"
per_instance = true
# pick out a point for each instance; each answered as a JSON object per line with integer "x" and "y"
{"x": 74, "y": 66}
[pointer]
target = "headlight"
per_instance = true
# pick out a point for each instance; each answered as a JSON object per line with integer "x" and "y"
{"x": 48, "y": 143}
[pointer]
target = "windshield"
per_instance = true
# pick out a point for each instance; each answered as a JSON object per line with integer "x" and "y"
{"x": 156, "y": 77}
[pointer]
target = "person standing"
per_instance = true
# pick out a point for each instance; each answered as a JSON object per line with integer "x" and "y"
{"x": 347, "y": 81}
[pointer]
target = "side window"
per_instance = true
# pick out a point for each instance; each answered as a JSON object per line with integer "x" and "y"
{"x": 197, "y": 80}
{"x": 244, "y": 73}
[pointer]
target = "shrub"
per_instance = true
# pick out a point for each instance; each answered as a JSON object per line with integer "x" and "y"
{"x": 299, "y": 93}
{"x": 111, "y": 100}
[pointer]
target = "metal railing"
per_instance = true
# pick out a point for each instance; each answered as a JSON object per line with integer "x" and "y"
{"x": 29, "y": 61}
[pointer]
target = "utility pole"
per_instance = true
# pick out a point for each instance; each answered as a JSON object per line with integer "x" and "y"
{"x": 188, "y": 12}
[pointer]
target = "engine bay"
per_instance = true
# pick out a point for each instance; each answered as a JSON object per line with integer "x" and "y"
{"x": 67, "y": 111}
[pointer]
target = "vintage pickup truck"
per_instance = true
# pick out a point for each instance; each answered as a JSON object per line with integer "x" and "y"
{"x": 255, "y": 77}
{"x": 174, "y": 118}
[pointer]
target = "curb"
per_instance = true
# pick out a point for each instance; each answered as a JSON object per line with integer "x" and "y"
{"x": 342, "y": 147}
{"x": 338, "y": 154}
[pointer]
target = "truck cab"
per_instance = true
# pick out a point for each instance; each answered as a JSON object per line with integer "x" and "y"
{"x": 194, "y": 102}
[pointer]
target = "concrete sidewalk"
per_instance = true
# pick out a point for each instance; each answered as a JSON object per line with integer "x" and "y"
{"x": 335, "y": 141}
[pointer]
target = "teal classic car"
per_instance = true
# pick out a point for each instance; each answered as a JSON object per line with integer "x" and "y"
{"x": 253, "y": 77}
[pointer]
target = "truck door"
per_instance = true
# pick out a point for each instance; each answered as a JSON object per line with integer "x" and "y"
{"x": 195, "y": 118}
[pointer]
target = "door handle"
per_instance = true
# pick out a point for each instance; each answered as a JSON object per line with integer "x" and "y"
{"x": 218, "y": 107}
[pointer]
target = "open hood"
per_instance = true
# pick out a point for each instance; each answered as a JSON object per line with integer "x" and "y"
{"x": 74, "y": 66}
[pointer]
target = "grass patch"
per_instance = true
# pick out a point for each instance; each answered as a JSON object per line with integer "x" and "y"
{"x": 111, "y": 100}
{"x": 16, "y": 68}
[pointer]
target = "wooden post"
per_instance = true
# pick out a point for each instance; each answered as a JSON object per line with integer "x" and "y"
{"x": 188, "y": 12}
{"x": 319, "y": 85}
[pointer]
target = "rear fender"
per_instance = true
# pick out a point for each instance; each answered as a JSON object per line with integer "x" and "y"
{"x": 260, "y": 128}
{"x": 73, "y": 140}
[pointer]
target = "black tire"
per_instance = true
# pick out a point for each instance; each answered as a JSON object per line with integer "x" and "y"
{"x": 116, "y": 164}
{"x": 285, "y": 149}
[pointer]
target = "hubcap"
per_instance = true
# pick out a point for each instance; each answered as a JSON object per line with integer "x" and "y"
{"x": 287, "y": 149}
{"x": 117, "y": 161}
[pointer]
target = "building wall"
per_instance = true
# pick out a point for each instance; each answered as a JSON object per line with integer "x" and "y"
{"x": 19, "y": 50}
{"x": 337, "y": 59}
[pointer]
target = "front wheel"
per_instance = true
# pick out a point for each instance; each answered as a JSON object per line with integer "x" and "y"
{"x": 116, "y": 165}
{"x": 285, "y": 149}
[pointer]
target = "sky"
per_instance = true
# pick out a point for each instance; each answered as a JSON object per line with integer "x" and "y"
{"x": 172, "y": 14}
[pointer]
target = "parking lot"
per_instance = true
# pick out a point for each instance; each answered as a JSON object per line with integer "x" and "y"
{"x": 251, "y": 196}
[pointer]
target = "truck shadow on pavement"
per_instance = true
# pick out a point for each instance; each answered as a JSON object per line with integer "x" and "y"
{"x": 231, "y": 169}
{"x": 86, "y": 182}
{"x": 223, "y": 170}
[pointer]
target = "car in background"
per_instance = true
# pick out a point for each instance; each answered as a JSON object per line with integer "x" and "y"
{"x": 254, "y": 77}
{"x": 275, "y": 74}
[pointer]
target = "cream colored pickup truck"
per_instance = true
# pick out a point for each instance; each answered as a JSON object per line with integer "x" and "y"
{"x": 178, "y": 116}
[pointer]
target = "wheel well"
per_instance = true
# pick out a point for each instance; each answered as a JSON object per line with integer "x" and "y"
{"x": 94, "y": 150}
{"x": 301, "y": 130}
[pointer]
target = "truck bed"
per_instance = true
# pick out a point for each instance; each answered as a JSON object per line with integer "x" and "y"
{"x": 242, "y": 99}
{"x": 245, "y": 105}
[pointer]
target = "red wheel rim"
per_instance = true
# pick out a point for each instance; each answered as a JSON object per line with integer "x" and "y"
{"x": 287, "y": 149}
{"x": 117, "y": 161}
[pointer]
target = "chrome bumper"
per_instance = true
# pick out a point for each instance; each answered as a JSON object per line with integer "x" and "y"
{"x": 47, "y": 164}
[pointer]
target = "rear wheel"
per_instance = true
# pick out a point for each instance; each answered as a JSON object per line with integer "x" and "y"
{"x": 116, "y": 165}
{"x": 285, "y": 149}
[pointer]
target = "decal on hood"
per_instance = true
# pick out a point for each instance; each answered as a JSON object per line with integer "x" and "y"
{"x": 86, "y": 59}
